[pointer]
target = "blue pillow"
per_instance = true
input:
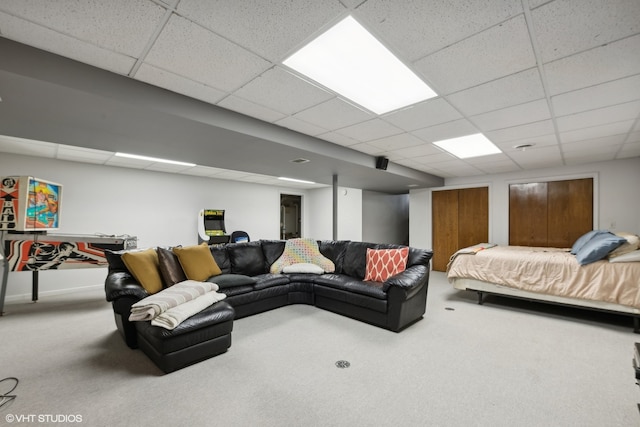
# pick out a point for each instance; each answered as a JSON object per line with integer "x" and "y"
{"x": 598, "y": 247}
{"x": 582, "y": 240}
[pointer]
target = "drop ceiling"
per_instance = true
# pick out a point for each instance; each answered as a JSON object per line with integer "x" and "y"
{"x": 204, "y": 82}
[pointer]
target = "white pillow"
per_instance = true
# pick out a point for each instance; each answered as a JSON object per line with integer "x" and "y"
{"x": 303, "y": 267}
{"x": 628, "y": 257}
{"x": 633, "y": 243}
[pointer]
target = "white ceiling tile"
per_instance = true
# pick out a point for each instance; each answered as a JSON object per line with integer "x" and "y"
{"x": 515, "y": 133}
{"x": 629, "y": 150}
{"x": 447, "y": 130}
{"x": 419, "y": 27}
{"x": 129, "y": 162}
{"x": 498, "y": 167}
{"x": 61, "y": 44}
{"x": 301, "y": 126}
{"x": 365, "y": 147}
{"x": 187, "y": 49}
{"x": 435, "y": 159}
{"x": 424, "y": 149}
{"x": 270, "y": 28}
{"x": 491, "y": 158}
{"x": 27, "y": 147}
{"x": 424, "y": 114}
{"x": 612, "y": 129}
{"x": 333, "y": 114}
{"x": 515, "y": 89}
{"x": 602, "y": 95}
{"x": 634, "y": 136}
{"x": 565, "y": 27}
{"x": 543, "y": 157}
{"x": 179, "y": 84}
{"x": 338, "y": 139}
{"x": 250, "y": 109}
{"x": 371, "y": 129}
{"x": 282, "y": 91}
{"x": 167, "y": 167}
{"x": 229, "y": 174}
{"x": 79, "y": 154}
{"x": 458, "y": 167}
{"x": 396, "y": 142}
{"x": 513, "y": 116}
{"x": 605, "y": 144}
{"x": 124, "y": 26}
{"x": 497, "y": 52}
{"x": 600, "y": 116}
{"x": 202, "y": 171}
{"x": 594, "y": 66}
{"x": 536, "y": 3}
{"x": 535, "y": 141}
{"x": 582, "y": 157}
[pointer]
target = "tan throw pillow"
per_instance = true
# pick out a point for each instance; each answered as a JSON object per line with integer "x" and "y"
{"x": 143, "y": 265}
{"x": 197, "y": 262}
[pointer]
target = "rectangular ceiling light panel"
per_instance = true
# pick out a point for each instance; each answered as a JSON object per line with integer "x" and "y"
{"x": 353, "y": 63}
{"x": 154, "y": 159}
{"x": 464, "y": 147}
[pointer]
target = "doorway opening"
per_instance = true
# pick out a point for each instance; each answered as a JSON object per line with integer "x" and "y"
{"x": 290, "y": 216}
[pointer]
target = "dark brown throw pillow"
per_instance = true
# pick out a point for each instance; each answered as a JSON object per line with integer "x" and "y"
{"x": 170, "y": 268}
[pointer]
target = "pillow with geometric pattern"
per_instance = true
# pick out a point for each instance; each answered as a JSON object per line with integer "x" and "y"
{"x": 384, "y": 263}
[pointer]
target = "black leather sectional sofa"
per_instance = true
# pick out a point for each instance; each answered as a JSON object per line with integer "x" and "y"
{"x": 393, "y": 305}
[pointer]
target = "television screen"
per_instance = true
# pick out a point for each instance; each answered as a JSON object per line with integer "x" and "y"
{"x": 29, "y": 204}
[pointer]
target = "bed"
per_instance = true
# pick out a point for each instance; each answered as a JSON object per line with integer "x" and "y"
{"x": 548, "y": 274}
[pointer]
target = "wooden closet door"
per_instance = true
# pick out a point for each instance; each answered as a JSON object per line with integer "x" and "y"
{"x": 444, "y": 213}
{"x": 570, "y": 211}
{"x": 528, "y": 214}
{"x": 473, "y": 216}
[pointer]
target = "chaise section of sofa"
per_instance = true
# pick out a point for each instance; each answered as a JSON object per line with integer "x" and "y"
{"x": 251, "y": 288}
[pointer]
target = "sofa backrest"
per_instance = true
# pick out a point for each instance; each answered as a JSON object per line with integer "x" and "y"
{"x": 247, "y": 258}
{"x": 334, "y": 250}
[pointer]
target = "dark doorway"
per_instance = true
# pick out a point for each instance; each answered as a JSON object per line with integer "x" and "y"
{"x": 290, "y": 216}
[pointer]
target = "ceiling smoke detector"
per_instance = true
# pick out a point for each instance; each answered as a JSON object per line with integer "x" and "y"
{"x": 300, "y": 160}
{"x": 523, "y": 147}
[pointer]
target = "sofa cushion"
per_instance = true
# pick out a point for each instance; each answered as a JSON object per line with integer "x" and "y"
{"x": 197, "y": 262}
{"x": 384, "y": 263}
{"x": 353, "y": 298}
{"x": 143, "y": 265}
{"x": 334, "y": 250}
{"x": 347, "y": 283}
{"x": 221, "y": 256}
{"x": 269, "y": 280}
{"x": 272, "y": 250}
{"x": 246, "y": 258}
{"x": 355, "y": 259}
{"x": 170, "y": 268}
{"x": 225, "y": 281}
{"x": 302, "y": 250}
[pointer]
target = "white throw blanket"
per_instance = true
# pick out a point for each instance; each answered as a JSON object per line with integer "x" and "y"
{"x": 150, "y": 307}
{"x": 176, "y": 315}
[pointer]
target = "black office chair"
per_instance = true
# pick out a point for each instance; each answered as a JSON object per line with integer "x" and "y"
{"x": 239, "y": 236}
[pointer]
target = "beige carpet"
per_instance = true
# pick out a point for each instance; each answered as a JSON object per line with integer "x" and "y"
{"x": 505, "y": 363}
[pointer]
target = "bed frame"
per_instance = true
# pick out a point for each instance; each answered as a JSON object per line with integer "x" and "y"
{"x": 482, "y": 288}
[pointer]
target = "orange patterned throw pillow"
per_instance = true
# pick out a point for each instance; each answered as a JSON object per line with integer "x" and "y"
{"x": 384, "y": 263}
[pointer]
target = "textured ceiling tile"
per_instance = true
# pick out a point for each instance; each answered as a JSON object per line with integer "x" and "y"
{"x": 282, "y": 91}
{"x": 600, "y": 116}
{"x": 339, "y": 139}
{"x": 629, "y": 150}
{"x": 594, "y": 66}
{"x": 513, "y": 116}
{"x": 85, "y": 155}
{"x": 61, "y": 44}
{"x": 498, "y": 167}
{"x": 535, "y": 141}
{"x": 365, "y": 147}
{"x": 605, "y": 94}
{"x": 447, "y": 130}
{"x": 619, "y": 128}
{"x": 179, "y": 84}
{"x": 597, "y": 145}
{"x": 418, "y": 27}
{"x": 333, "y": 114}
{"x": 424, "y": 149}
{"x": 396, "y": 142}
{"x": 270, "y": 28}
{"x": 544, "y": 157}
{"x": 497, "y": 52}
{"x": 425, "y": 114}
{"x": 187, "y": 49}
{"x": 250, "y": 109}
{"x": 491, "y": 158}
{"x": 515, "y": 89}
{"x": 371, "y": 129}
{"x": 123, "y": 26}
{"x": 565, "y": 27}
{"x": 9, "y": 144}
{"x": 435, "y": 159}
{"x": 300, "y": 126}
{"x": 515, "y": 133}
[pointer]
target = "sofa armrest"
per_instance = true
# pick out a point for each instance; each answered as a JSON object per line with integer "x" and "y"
{"x": 410, "y": 278}
{"x": 122, "y": 284}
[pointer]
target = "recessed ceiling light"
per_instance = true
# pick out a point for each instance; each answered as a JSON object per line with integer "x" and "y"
{"x": 349, "y": 60}
{"x": 154, "y": 159}
{"x": 302, "y": 181}
{"x": 464, "y": 147}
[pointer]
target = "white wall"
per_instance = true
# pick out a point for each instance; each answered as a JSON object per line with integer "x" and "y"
{"x": 616, "y": 200}
{"x": 385, "y": 218}
{"x": 158, "y": 208}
